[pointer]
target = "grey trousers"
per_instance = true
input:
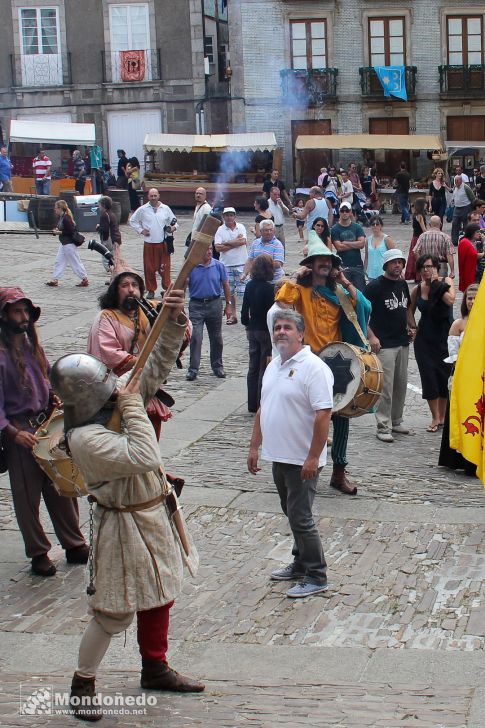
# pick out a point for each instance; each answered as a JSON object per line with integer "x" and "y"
{"x": 390, "y": 406}
{"x": 210, "y": 314}
{"x": 29, "y": 483}
{"x": 296, "y": 497}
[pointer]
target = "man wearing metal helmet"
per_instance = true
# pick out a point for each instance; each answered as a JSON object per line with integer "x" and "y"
{"x": 26, "y": 399}
{"x": 139, "y": 555}
{"x": 312, "y": 292}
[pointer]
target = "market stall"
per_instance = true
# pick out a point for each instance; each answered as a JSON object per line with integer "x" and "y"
{"x": 232, "y": 167}
{"x": 466, "y": 154}
{"x": 366, "y": 143}
{"x": 58, "y": 139}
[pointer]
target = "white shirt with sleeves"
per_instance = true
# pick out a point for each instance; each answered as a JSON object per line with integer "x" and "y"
{"x": 292, "y": 392}
{"x": 153, "y": 219}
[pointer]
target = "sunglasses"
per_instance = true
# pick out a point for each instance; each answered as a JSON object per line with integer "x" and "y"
{"x": 375, "y": 224}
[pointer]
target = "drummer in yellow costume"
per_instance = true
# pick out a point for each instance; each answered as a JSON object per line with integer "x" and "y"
{"x": 312, "y": 291}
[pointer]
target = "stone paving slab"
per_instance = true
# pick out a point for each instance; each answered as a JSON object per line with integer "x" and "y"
{"x": 399, "y": 585}
{"x": 267, "y": 703}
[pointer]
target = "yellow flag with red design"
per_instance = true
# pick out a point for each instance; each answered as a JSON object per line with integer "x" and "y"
{"x": 467, "y": 402}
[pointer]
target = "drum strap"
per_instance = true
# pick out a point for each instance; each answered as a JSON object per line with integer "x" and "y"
{"x": 349, "y": 311}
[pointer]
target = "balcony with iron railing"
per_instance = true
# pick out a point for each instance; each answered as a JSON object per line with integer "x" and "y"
{"x": 463, "y": 81}
{"x": 301, "y": 87}
{"x": 133, "y": 66}
{"x": 372, "y": 87}
{"x": 40, "y": 69}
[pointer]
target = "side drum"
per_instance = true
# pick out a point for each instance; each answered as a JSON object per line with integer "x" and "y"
{"x": 55, "y": 462}
{"x": 358, "y": 378}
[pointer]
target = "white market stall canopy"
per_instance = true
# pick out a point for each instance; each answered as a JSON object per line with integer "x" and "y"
{"x": 369, "y": 141}
{"x": 52, "y": 132}
{"x": 259, "y": 141}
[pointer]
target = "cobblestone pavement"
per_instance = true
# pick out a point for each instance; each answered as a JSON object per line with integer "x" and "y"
{"x": 397, "y": 640}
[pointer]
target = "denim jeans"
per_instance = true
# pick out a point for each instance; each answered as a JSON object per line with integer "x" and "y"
{"x": 43, "y": 186}
{"x": 404, "y": 205}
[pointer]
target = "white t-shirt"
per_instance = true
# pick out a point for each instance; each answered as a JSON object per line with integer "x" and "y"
{"x": 199, "y": 213}
{"x": 276, "y": 211}
{"x": 235, "y": 256}
{"x": 292, "y": 392}
{"x": 347, "y": 191}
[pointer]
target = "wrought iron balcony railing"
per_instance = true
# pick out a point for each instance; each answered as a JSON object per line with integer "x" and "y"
{"x": 308, "y": 88}
{"x": 462, "y": 80}
{"x": 132, "y": 66}
{"x": 41, "y": 69}
{"x": 372, "y": 87}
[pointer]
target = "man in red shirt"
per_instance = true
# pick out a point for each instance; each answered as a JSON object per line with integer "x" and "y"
{"x": 41, "y": 165}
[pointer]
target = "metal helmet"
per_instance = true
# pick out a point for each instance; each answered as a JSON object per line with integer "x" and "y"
{"x": 84, "y": 384}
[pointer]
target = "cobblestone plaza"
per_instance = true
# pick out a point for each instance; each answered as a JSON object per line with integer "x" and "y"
{"x": 397, "y": 640}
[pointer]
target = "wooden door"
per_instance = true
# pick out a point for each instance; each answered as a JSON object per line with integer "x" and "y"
{"x": 388, "y": 162}
{"x": 306, "y": 167}
{"x": 466, "y": 128}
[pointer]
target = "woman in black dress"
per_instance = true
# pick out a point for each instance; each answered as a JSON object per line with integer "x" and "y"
{"x": 449, "y": 457}
{"x": 437, "y": 193}
{"x": 258, "y": 299}
{"x": 419, "y": 226}
{"x": 262, "y": 213}
{"x": 434, "y": 297}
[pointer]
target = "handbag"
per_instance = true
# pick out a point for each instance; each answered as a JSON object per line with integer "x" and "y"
{"x": 449, "y": 213}
{"x": 77, "y": 238}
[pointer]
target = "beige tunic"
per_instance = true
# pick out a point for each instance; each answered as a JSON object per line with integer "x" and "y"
{"x": 138, "y": 563}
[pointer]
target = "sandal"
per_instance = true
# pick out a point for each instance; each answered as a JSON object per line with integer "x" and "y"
{"x": 231, "y": 321}
{"x": 53, "y": 283}
{"x": 83, "y": 283}
{"x": 432, "y": 428}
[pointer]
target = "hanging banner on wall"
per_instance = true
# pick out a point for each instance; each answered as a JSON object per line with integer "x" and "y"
{"x": 132, "y": 65}
{"x": 393, "y": 80}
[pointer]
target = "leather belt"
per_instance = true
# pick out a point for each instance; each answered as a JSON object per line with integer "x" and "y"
{"x": 136, "y": 506}
{"x": 34, "y": 419}
{"x": 205, "y": 300}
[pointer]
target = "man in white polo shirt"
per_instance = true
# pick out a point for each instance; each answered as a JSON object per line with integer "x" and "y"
{"x": 230, "y": 241}
{"x": 292, "y": 427}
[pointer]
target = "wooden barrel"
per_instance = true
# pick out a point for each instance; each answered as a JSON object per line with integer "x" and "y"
{"x": 123, "y": 198}
{"x": 70, "y": 197}
{"x": 116, "y": 208}
{"x": 47, "y": 218}
{"x": 33, "y": 211}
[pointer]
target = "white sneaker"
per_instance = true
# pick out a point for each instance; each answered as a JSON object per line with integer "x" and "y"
{"x": 385, "y": 436}
{"x": 401, "y": 430}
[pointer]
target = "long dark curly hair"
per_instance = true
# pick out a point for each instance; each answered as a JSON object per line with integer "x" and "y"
{"x": 110, "y": 298}
{"x": 6, "y": 344}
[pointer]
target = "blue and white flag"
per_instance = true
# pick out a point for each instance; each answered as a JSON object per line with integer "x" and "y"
{"x": 393, "y": 80}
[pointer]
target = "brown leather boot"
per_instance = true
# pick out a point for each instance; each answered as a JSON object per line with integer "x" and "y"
{"x": 83, "y": 700}
{"x": 339, "y": 481}
{"x": 157, "y": 675}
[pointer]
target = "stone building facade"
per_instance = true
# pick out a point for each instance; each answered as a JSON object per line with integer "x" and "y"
{"x": 305, "y": 67}
{"x": 128, "y": 67}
